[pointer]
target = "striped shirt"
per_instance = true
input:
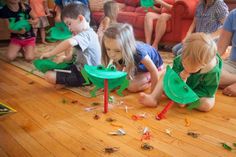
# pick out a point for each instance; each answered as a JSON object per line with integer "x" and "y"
{"x": 208, "y": 21}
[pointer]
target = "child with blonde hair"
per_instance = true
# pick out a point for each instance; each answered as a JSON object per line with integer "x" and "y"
{"x": 139, "y": 60}
{"x": 200, "y": 66}
{"x": 111, "y": 10}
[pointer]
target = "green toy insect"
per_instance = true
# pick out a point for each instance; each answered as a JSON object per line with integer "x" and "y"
{"x": 44, "y": 65}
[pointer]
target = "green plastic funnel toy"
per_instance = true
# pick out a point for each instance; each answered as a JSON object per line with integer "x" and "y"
{"x": 45, "y": 65}
{"x": 97, "y": 75}
{"x": 19, "y": 25}
{"x": 59, "y": 32}
{"x": 176, "y": 89}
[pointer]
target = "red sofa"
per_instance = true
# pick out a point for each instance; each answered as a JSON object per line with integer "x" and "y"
{"x": 182, "y": 16}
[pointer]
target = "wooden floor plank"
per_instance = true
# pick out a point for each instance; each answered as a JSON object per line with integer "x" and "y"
{"x": 45, "y": 126}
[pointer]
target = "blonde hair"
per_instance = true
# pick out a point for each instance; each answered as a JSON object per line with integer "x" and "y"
{"x": 199, "y": 48}
{"x": 111, "y": 9}
{"x": 123, "y": 33}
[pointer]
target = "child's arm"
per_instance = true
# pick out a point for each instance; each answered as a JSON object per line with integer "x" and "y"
{"x": 105, "y": 23}
{"x": 34, "y": 20}
{"x": 63, "y": 46}
{"x": 45, "y": 5}
{"x": 190, "y": 30}
{"x": 58, "y": 14}
{"x": 148, "y": 63}
{"x": 224, "y": 41}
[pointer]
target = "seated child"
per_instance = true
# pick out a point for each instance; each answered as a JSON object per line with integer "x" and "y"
{"x": 139, "y": 60}
{"x": 87, "y": 47}
{"x": 200, "y": 66}
{"x": 13, "y": 12}
{"x": 111, "y": 10}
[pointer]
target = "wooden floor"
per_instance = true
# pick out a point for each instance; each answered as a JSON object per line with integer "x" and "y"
{"x": 50, "y": 122}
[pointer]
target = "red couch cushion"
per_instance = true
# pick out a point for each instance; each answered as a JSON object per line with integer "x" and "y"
{"x": 133, "y": 3}
{"x": 120, "y": 1}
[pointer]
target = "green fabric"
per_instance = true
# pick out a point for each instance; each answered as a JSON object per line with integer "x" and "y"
{"x": 203, "y": 84}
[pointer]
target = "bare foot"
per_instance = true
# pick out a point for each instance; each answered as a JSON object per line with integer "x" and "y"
{"x": 181, "y": 105}
{"x": 59, "y": 86}
{"x": 44, "y": 42}
{"x": 147, "y": 100}
{"x": 230, "y": 90}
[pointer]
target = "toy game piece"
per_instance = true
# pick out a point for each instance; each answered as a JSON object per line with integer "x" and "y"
{"x": 119, "y": 132}
{"x": 45, "y": 65}
{"x": 178, "y": 91}
{"x": 168, "y": 132}
{"x": 110, "y": 119}
{"x": 187, "y": 122}
{"x": 163, "y": 112}
{"x": 147, "y": 3}
{"x": 108, "y": 78}
{"x": 193, "y": 134}
{"x": 227, "y": 147}
{"x": 96, "y": 117}
{"x": 111, "y": 149}
{"x": 59, "y": 32}
{"x": 117, "y": 125}
{"x": 4, "y": 109}
{"x": 146, "y": 146}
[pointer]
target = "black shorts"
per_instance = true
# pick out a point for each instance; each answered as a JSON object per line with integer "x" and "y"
{"x": 73, "y": 79}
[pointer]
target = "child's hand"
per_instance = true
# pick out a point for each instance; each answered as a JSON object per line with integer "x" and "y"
{"x": 48, "y": 13}
{"x": 22, "y": 31}
{"x": 184, "y": 75}
{"x": 45, "y": 55}
{"x": 59, "y": 59}
{"x": 33, "y": 22}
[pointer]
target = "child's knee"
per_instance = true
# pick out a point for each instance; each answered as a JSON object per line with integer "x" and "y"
{"x": 50, "y": 77}
{"x": 29, "y": 57}
{"x": 164, "y": 17}
{"x": 149, "y": 16}
{"x": 10, "y": 57}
